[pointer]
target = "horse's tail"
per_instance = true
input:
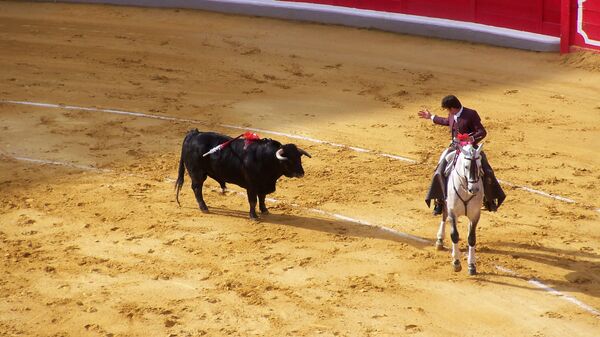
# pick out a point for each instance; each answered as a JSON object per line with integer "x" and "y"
{"x": 181, "y": 172}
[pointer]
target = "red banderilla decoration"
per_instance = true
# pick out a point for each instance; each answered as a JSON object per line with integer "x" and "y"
{"x": 248, "y": 137}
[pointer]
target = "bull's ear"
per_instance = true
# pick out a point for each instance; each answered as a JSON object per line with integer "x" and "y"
{"x": 304, "y": 153}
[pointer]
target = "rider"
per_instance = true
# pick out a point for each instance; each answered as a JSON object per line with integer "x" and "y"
{"x": 461, "y": 120}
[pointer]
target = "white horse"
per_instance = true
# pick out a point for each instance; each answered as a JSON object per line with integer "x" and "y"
{"x": 464, "y": 197}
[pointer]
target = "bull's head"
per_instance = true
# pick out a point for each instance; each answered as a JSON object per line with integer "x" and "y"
{"x": 290, "y": 158}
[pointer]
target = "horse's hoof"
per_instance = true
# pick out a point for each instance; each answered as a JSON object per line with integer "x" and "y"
{"x": 456, "y": 265}
{"x": 264, "y": 212}
{"x": 439, "y": 245}
{"x": 472, "y": 269}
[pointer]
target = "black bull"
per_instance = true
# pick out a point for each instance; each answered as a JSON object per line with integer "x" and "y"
{"x": 255, "y": 167}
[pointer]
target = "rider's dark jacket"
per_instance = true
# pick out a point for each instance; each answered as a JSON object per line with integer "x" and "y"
{"x": 467, "y": 122}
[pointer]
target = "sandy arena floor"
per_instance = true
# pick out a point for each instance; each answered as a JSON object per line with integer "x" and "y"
{"x": 109, "y": 253}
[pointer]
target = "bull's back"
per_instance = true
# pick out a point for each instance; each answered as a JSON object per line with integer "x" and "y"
{"x": 224, "y": 165}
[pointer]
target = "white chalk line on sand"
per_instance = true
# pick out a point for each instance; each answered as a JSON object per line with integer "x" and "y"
{"x": 553, "y": 291}
{"x": 167, "y": 118}
{"x": 60, "y": 163}
{"x": 292, "y": 136}
{"x": 112, "y": 111}
{"x": 542, "y": 193}
{"x": 392, "y": 231}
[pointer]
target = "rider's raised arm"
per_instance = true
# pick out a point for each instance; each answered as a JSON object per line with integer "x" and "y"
{"x": 440, "y": 120}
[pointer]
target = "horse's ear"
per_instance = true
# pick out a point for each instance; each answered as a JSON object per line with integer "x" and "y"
{"x": 479, "y": 149}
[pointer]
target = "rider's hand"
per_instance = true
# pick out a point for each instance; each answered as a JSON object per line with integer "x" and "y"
{"x": 425, "y": 114}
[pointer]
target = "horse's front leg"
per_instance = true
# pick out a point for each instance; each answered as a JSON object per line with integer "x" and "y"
{"x": 439, "y": 243}
{"x": 472, "y": 241}
{"x": 455, "y": 248}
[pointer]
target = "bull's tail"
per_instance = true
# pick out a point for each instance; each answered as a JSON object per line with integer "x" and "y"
{"x": 180, "y": 176}
{"x": 181, "y": 173}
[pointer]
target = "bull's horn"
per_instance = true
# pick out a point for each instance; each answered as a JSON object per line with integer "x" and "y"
{"x": 279, "y": 155}
{"x": 304, "y": 153}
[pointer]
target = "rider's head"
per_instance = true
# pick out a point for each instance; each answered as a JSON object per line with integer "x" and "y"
{"x": 451, "y": 103}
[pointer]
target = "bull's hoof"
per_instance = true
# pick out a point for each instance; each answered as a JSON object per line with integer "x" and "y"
{"x": 456, "y": 265}
{"x": 204, "y": 209}
{"x": 254, "y": 217}
{"x": 439, "y": 244}
{"x": 264, "y": 211}
{"x": 472, "y": 269}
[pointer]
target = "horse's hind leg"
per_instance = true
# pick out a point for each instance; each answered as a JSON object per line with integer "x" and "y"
{"x": 472, "y": 241}
{"x": 439, "y": 243}
{"x": 455, "y": 248}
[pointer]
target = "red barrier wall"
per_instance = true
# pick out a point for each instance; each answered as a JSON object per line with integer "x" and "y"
{"x": 585, "y": 24}
{"x": 538, "y": 16}
{"x": 546, "y": 17}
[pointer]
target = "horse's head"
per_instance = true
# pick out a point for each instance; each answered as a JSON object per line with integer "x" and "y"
{"x": 470, "y": 162}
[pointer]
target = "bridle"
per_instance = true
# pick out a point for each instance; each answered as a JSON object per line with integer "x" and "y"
{"x": 465, "y": 186}
{"x": 474, "y": 169}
